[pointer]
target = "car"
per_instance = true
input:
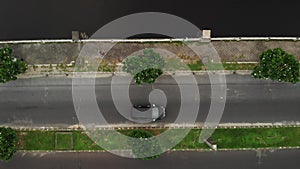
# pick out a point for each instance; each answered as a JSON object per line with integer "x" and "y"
{"x": 151, "y": 112}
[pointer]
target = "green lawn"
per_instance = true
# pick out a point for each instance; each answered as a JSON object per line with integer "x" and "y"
{"x": 196, "y": 66}
{"x": 225, "y": 66}
{"x": 242, "y": 66}
{"x": 174, "y": 64}
{"x": 224, "y": 138}
{"x": 36, "y": 140}
{"x": 64, "y": 141}
{"x": 83, "y": 142}
{"x": 257, "y": 137}
{"x": 191, "y": 141}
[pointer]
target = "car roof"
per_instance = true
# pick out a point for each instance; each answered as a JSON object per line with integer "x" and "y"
{"x": 145, "y": 113}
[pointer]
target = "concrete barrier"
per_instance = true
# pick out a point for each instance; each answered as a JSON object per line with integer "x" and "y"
{"x": 256, "y": 39}
{"x": 151, "y": 40}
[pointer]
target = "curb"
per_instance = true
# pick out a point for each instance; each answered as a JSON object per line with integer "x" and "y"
{"x": 150, "y": 40}
{"x": 172, "y": 150}
{"x": 256, "y": 39}
{"x": 109, "y": 74}
{"x": 238, "y": 149}
{"x": 256, "y": 149}
{"x": 159, "y": 126}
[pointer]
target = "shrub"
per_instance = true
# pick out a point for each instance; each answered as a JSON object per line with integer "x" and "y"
{"x": 10, "y": 67}
{"x": 145, "y": 68}
{"x": 276, "y": 64}
{"x": 141, "y": 148}
{"x": 8, "y": 143}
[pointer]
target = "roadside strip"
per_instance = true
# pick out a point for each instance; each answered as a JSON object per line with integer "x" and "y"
{"x": 58, "y": 70}
{"x": 226, "y": 139}
{"x": 108, "y": 74}
{"x": 154, "y": 126}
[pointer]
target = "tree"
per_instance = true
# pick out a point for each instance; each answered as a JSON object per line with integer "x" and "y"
{"x": 10, "y": 67}
{"x": 8, "y": 143}
{"x": 142, "y": 148}
{"x": 145, "y": 68}
{"x": 276, "y": 64}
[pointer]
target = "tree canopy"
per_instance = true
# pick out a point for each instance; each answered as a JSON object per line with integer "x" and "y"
{"x": 8, "y": 143}
{"x": 145, "y": 68}
{"x": 10, "y": 66}
{"x": 142, "y": 148}
{"x": 276, "y": 64}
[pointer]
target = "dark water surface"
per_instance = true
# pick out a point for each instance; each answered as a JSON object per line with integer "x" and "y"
{"x": 53, "y": 19}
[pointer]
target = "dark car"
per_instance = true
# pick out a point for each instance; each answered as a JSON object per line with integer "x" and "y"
{"x": 150, "y": 111}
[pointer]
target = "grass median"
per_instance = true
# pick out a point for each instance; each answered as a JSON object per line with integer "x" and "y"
{"x": 176, "y": 64}
{"x": 224, "y": 138}
{"x": 226, "y": 66}
{"x": 46, "y": 140}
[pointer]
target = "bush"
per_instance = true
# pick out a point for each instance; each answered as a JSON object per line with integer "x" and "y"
{"x": 10, "y": 67}
{"x": 276, "y": 64}
{"x": 8, "y": 143}
{"x": 142, "y": 148}
{"x": 145, "y": 68}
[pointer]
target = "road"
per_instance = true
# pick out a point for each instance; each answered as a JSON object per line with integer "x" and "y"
{"x": 176, "y": 160}
{"x": 48, "y": 101}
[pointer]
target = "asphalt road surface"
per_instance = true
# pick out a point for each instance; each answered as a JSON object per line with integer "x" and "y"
{"x": 176, "y": 160}
{"x": 48, "y": 101}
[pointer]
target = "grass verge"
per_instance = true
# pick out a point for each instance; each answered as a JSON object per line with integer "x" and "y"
{"x": 64, "y": 141}
{"x": 226, "y": 66}
{"x": 224, "y": 138}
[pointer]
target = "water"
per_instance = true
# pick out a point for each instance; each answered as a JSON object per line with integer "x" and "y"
{"x": 55, "y": 19}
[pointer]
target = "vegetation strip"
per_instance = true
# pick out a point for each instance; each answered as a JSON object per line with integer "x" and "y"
{"x": 224, "y": 138}
{"x": 226, "y": 66}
